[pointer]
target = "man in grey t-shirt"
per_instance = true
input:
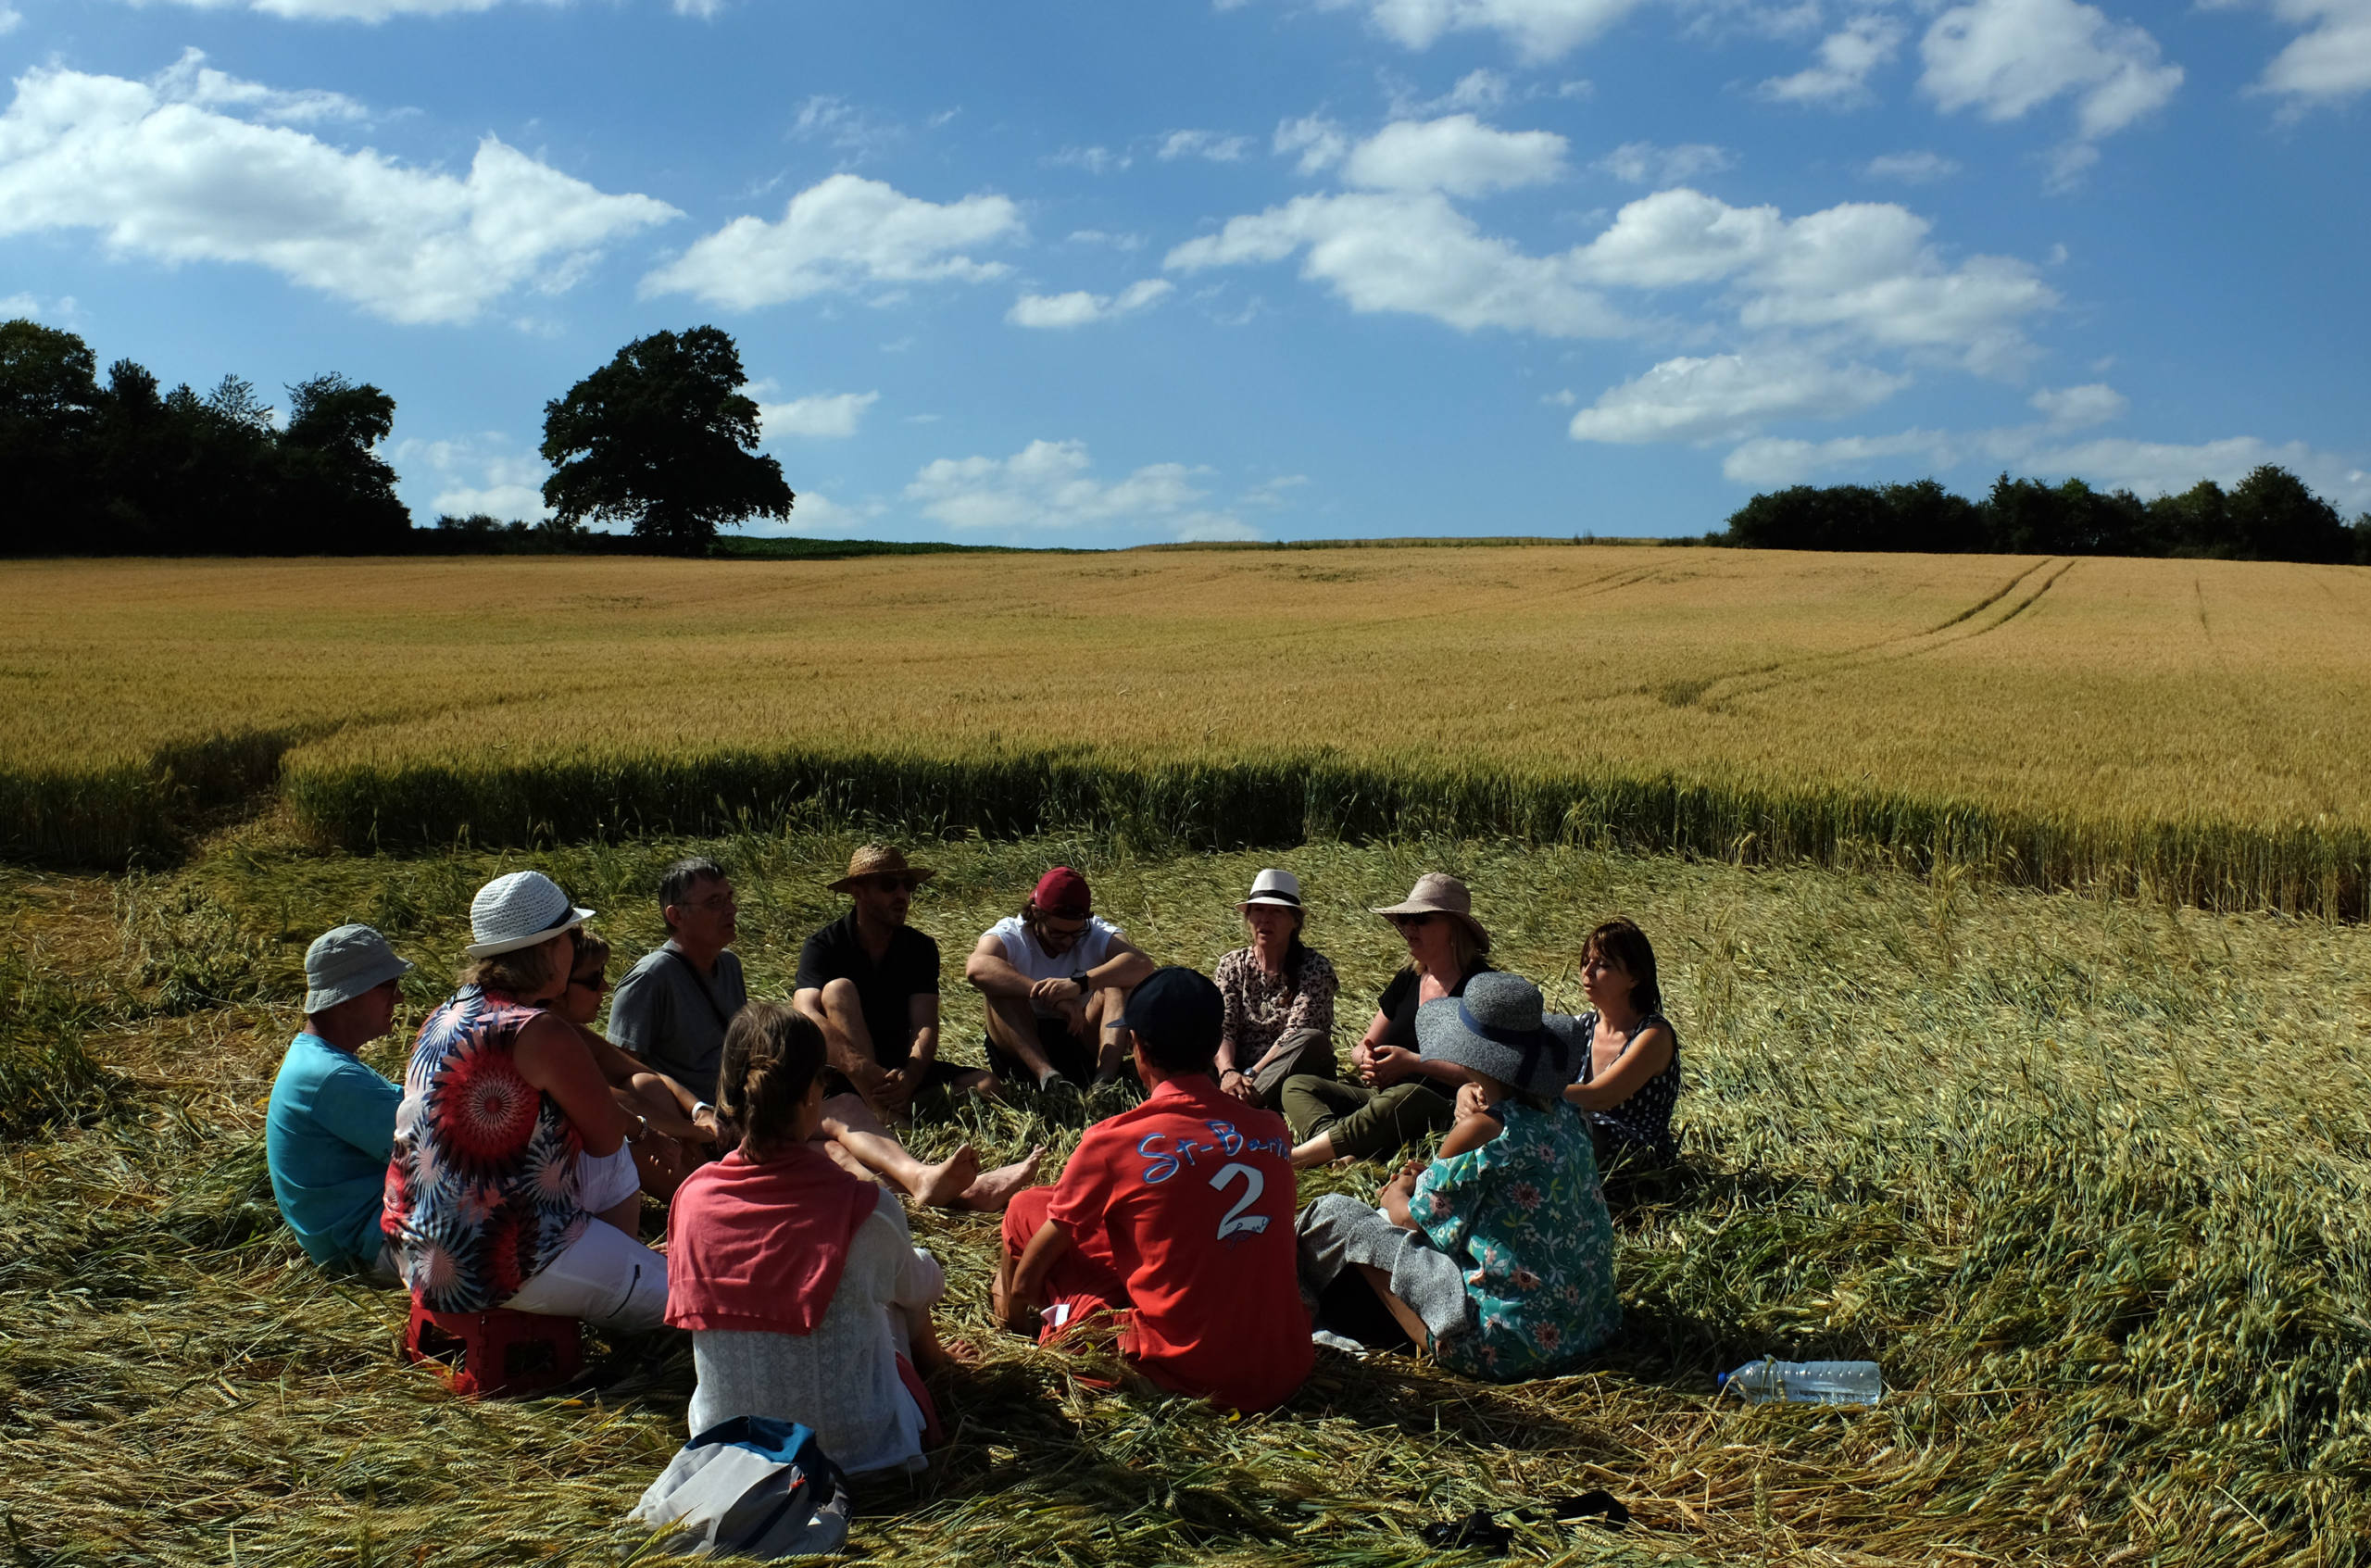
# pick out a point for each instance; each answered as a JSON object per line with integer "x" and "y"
{"x": 672, "y": 1009}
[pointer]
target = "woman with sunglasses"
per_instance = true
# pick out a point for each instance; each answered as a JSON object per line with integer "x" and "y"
{"x": 1400, "y": 1095}
{"x": 509, "y": 1184}
{"x": 675, "y": 1130}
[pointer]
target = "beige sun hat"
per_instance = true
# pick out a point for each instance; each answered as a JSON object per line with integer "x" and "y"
{"x": 880, "y": 860}
{"x": 1437, "y": 893}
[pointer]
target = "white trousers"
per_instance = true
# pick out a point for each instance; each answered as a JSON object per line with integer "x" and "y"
{"x": 606, "y": 1277}
{"x": 604, "y": 1181}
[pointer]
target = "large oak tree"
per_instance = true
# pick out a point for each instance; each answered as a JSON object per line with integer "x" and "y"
{"x": 663, "y": 438}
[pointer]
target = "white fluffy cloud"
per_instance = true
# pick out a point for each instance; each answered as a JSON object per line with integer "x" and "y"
{"x": 2076, "y": 408}
{"x": 10, "y": 19}
{"x": 1863, "y": 268}
{"x": 1411, "y": 253}
{"x": 163, "y": 169}
{"x": 2329, "y": 60}
{"x": 1478, "y": 89}
{"x": 191, "y": 80}
{"x": 30, "y": 305}
{"x": 1095, "y": 161}
{"x": 836, "y": 123}
{"x": 1208, "y": 145}
{"x": 1316, "y": 141}
{"x": 1051, "y": 484}
{"x": 1080, "y": 308}
{"x": 1910, "y": 169}
{"x": 1768, "y": 462}
{"x": 1726, "y": 395}
{"x": 828, "y": 416}
{"x": 2005, "y": 58}
{"x": 345, "y": 10}
{"x": 486, "y": 473}
{"x": 1846, "y": 58}
{"x": 841, "y": 234}
{"x": 816, "y": 513}
{"x": 1537, "y": 30}
{"x": 1457, "y": 154}
{"x": 1643, "y": 163}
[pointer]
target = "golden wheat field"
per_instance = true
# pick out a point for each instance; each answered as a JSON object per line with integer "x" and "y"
{"x": 2203, "y": 721}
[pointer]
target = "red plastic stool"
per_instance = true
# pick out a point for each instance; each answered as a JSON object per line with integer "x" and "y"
{"x": 497, "y": 1352}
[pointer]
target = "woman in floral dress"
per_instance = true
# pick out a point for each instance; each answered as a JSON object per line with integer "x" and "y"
{"x": 1498, "y": 1256}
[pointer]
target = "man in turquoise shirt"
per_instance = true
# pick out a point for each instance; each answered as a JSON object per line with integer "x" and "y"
{"x": 332, "y": 1124}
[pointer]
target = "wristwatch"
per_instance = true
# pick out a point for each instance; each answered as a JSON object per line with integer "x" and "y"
{"x": 1078, "y": 978}
{"x": 700, "y": 1105}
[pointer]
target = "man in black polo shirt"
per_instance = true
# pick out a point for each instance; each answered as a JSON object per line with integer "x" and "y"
{"x": 870, "y": 982}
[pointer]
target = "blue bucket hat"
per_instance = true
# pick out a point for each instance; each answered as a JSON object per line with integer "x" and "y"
{"x": 1500, "y": 1027}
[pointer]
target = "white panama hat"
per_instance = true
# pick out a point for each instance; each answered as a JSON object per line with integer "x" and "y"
{"x": 519, "y": 910}
{"x": 1272, "y": 886}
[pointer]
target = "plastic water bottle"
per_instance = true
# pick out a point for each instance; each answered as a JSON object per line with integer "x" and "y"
{"x": 1815, "y": 1382}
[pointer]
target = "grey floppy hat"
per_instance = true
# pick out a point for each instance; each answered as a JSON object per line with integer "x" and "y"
{"x": 517, "y": 910}
{"x": 1437, "y": 893}
{"x": 349, "y": 961}
{"x": 1499, "y": 1027}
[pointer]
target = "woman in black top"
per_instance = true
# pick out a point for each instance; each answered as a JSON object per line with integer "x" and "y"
{"x": 1629, "y": 1061}
{"x": 1399, "y": 1096}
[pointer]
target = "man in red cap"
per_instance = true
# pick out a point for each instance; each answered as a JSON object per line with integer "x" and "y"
{"x": 1056, "y": 977}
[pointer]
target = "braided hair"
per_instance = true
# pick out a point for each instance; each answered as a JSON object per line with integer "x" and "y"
{"x": 771, "y": 1057}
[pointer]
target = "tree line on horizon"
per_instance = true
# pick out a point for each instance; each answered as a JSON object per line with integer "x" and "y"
{"x": 664, "y": 439}
{"x": 661, "y": 439}
{"x": 125, "y": 467}
{"x": 2270, "y": 515}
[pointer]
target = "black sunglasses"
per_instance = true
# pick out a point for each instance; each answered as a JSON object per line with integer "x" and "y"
{"x": 1409, "y": 922}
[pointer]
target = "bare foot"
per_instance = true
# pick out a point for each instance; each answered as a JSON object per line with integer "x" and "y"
{"x": 994, "y": 1188}
{"x": 934, "y": 1356}
{"x": 943, "y": 1185}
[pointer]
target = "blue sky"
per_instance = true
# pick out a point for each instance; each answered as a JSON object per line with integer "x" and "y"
{"x": 1100, "y": 274}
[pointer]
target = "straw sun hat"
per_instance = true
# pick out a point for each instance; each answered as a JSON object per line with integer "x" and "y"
{"x": 880, "y": 860}
{"x": 1437, "y": 893}
{"x": 519, "y": 911}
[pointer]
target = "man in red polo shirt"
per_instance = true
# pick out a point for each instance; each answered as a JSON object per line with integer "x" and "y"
{"x": 1178, "y": 1213}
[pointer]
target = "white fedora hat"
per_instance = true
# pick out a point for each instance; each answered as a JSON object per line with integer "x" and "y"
{"x": 1272, "y": 886}
{"x": 519, "y": 910}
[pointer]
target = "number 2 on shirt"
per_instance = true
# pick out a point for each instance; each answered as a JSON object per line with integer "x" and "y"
{"x": 1254, "y": 1185}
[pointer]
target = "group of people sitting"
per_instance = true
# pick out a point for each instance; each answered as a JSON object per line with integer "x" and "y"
{"x": 509, "y": 1168}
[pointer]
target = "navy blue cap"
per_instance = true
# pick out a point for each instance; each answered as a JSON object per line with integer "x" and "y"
{"x": 1177, "y": 1007}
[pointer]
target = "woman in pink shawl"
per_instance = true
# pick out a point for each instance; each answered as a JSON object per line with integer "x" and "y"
{"x": 805, "y": 1294}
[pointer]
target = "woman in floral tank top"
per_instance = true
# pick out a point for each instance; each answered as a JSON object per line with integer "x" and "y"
{"x": 509, "y": 1144}
{"x": 482, "y": 1184}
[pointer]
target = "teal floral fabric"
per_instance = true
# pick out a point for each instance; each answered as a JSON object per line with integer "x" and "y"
{"x": 1524, "y": 1218}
